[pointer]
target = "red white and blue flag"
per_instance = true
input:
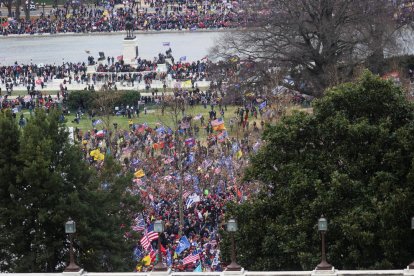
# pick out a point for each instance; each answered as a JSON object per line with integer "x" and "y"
{"x": 194, "y": 257}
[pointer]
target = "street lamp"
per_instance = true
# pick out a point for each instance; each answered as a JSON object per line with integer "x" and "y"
{"x": 411, "y": 266}
{"x": 323, "y": 227}
{"x": 232, "y": 227}
{"x": 159, "y": 228}
{"x": 43, "y": 7}
{"x": 70, "y": 228}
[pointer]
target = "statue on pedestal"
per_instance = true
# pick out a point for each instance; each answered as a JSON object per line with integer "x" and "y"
{"x": 129, "y": 27}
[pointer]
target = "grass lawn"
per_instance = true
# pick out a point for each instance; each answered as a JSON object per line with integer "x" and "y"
{"x": 153, "y": 117}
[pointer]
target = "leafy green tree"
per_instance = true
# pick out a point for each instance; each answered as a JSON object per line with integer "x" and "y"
{"x": 351, "y": 160}
{"x": 53, "y": 183}
{"x": 9, "y": 150}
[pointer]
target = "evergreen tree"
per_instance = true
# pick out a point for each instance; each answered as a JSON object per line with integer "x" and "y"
{"x": 351, "y": 160}
{"x": 9, "y": 150}
{"x": 53, "y": 183}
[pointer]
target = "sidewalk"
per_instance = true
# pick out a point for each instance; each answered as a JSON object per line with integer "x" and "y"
{"x": 54, "y": 86}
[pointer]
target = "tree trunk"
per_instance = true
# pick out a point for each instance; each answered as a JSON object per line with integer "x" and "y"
{"x": 26, "y": 9}
{"x": 375, "y": 62}
{"x": 9, "y": 8}
{"x": 17, "y": 10}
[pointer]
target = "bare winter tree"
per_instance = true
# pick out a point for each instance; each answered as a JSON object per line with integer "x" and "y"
{"x": 9, "y": 5}
{"x": 319, "y": 41}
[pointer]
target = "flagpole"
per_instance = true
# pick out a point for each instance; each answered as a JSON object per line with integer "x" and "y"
{"x": 180, "y": 203}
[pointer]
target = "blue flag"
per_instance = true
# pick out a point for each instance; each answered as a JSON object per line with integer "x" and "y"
{"x": 262, "y": 105}
{"x": 183, "y": 245}
{"x": 198, "y": 268}
{"x": 169, "y": 258}
{"x": 97, "y": 122}
{"x": 137, "y": 254}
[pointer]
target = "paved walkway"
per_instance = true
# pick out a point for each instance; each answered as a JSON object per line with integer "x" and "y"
{"x": 54, "y": 86}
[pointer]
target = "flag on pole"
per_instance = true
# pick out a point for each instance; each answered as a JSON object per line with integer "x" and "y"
{"x": 140, "y": 224}
{"x": 183, "y": 58}
{"x": 97, "y": 122}
{"x": 198, "y": 268}
{"x": 137, "y": 254}
{"x": 169, "y": 258}
{"x": 192, "y": 199}
{"x": 145, "y": 242}
{"x": 151, "y": 234}
{"x": 167, "y": 44}
{"x": 140, "y": 173}
{"x": 183, "y": 245}
{"x": 195, "y": 256}
{"x": 262, "y": 105}
{"x": 218, "y": 124}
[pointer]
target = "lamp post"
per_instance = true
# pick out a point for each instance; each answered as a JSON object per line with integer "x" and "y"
{"x": 411, "y": 266}
{"x": 43, "y": 7}
{"x": 70, "y": 228}
{"x": 232, "y": 227}
{"x": 159, "y": 228}
{"x": 323, "y": 227}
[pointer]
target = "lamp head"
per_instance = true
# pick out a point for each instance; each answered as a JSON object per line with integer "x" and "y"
{"x": 70, "y": 226}
{"x": 232, "y": 225}
{"x": 159, "y": 226}
{"x": 322, "y": 224}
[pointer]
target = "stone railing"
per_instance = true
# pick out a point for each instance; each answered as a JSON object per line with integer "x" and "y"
{"x": 333, "y": 272}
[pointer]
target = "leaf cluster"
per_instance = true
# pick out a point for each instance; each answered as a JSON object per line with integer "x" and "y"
{"x": 351, "y": 160}
{"x": 44, "y": 181}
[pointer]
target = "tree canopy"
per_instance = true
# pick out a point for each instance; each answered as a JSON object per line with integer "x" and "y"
{"x": 352, "y": 161}
{"x": 44, "y": 182}
{"x": 321, "y": 42}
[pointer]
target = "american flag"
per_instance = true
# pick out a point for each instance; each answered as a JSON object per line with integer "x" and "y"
{"x": 145, "y": 242}
{"x": 153, "y": 254}
{"x": 195, "y": 256}
{"x": 140, "y": 224}
{"x": 186, "y": 194}
{"x": 148, "y": 237}
{"x": 151, "y": 234}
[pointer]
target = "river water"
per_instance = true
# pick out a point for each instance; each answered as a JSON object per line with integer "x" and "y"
{"x": 56, "y": 49}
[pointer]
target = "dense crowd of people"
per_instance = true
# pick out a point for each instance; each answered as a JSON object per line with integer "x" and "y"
{"x": 207, "y": 165}
{"x": 112, "y": 17}
{"x": 109, "y": 72}
{"x": 162, "y": 158}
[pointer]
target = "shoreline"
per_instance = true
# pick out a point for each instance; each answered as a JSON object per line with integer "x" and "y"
{"x": 151, "y": 32}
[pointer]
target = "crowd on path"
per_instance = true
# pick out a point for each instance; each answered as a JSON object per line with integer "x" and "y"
{"x": 112, "y": 17}
{"x": 110, "y": 71}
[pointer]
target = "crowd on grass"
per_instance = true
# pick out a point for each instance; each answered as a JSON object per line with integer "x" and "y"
{"x": 161, "y": 158}
{"x": 112, "y": 16}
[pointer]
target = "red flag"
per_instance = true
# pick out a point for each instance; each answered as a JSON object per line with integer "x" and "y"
{"x": 163, "y": 250}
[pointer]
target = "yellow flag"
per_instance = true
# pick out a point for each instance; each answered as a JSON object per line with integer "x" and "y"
{"x": 94, "y": 153}
{"x": 147, "y": 260}
{"x": 187, "y": 83}
{"x": 140, "y": 173}
{"x": 239, "y": 154}
{"x": 101, "y": 156}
